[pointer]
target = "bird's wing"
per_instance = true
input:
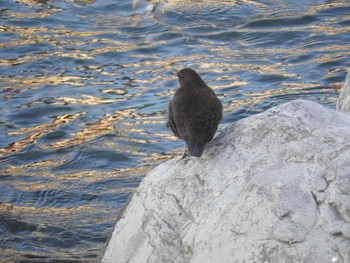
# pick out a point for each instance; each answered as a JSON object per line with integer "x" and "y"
{"x": 171, "y": 123}
{"x": 217, "y": 116}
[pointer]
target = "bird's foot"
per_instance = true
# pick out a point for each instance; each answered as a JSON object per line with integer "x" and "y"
{"x": 185, "y": 156}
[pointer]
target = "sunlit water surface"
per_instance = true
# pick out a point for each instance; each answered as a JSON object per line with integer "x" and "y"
{"x": 84, "y": 89}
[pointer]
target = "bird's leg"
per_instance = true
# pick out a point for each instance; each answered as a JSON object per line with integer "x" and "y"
{"x": 185, "y": 154}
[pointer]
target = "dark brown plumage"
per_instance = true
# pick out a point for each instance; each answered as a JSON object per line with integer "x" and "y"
{"x": 194, "y": 112}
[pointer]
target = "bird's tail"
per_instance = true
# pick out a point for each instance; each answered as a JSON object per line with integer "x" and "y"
{"x": 196, "y": 149}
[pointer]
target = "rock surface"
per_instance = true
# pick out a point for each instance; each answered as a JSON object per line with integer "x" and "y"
{"x": 343, "y": 102}
{"x": 274, "y": 187}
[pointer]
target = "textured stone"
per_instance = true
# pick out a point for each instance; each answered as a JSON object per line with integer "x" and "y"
{"x": 343, "y": 102}
{"x": 274, "y": 187}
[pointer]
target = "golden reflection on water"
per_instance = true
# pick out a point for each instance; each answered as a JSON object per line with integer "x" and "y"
{"x": 254, "y": 98}
{"x": 19, "y": 145}
{"x": 101, "y": 127}
{"x": 55, "y": 37}
{"x": 31, "y": 2}
{"x": 92, "y": 130}
{"x": 32, "y": 15}
{"x": 38, "y": 167}
{"x": 87, "y": 100}
{"x": 315, "y": 8}
{"x": 30, "y": 58}
{"x": 48, "y": 127}
{"x": 33, "y": 82}
{"x": 31, "y": 212}
{"x": 194, "y": 5}
{"x": 36, "y": 33}
{"x": 37, "y": 132}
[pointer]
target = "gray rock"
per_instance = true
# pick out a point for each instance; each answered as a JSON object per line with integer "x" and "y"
{"x": 274, "y": 187}
{"x": 343, "y": 102}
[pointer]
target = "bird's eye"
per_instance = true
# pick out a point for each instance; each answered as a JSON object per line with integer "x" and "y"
{"x": 180, "y": 75}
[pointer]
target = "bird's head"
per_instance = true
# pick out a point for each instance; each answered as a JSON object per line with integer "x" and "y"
{"x": 188, "y": 78}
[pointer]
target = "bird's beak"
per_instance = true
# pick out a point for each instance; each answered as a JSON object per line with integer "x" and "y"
{"x": 179, "y": 75}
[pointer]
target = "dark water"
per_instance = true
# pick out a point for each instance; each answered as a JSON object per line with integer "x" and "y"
{"x": 84, "y": 88}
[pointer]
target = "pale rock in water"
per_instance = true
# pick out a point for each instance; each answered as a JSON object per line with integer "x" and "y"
{"x": 343, "y": 103}
{"x": 274, "y": 187}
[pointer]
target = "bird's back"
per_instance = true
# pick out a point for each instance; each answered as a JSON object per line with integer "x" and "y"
{"x": 196, "y": 114}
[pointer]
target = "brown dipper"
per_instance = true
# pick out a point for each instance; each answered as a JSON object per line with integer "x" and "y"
{"x": 194, "y": 112}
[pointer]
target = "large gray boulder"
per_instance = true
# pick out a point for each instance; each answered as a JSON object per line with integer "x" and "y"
{"x": 274, "y": 187}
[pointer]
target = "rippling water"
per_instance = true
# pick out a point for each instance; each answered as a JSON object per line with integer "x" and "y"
{"x": 84, "y": 89}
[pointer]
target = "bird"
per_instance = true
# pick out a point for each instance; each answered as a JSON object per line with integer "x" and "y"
{"x": 194, "y": 112}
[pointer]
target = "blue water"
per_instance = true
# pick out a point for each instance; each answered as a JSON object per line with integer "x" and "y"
{"x": 84, "y": 88}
